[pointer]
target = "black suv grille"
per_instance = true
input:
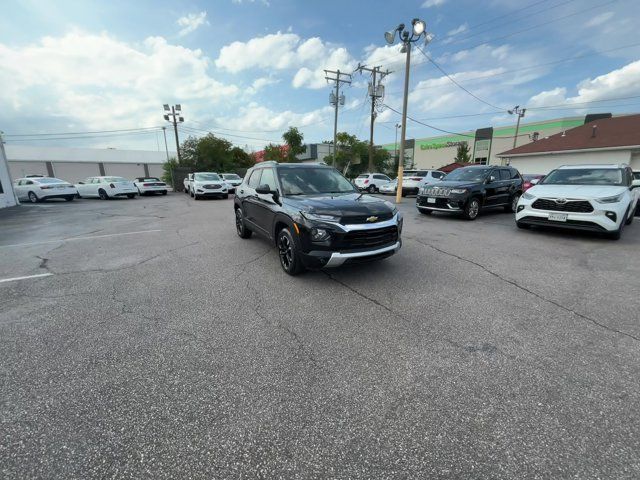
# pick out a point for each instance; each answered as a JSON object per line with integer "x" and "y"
{"x": 368, "y": 239}
{"x": 577, "y": 206}
{"x": 359, "y": 219}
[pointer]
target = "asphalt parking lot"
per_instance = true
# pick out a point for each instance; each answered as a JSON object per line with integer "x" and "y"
{"x": 157, "y": 344}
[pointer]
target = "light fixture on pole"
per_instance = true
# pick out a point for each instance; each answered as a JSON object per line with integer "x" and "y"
{"x": 520, "y": 112}
{"x": 418, "y": 32}
{"x": 174, "y": 117}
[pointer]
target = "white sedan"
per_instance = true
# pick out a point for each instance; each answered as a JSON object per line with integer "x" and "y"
{"x": 37, "y": 189}
{"x": 106, "y": 188}
{"x": 146, "y": 185}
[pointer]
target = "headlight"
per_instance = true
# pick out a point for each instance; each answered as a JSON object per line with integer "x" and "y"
{"x": 319, "y": 234}
{"x": 615, "y": 199}
{"x": 320, "y": 217}
{"x": 458, "y": 191}
{"x": 528, "y": 196}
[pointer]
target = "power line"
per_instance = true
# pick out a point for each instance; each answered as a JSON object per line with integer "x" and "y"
{"x": 456, "y": 83}
{"x": 199, "y": 130}
{"x": 83, "y": 136}
{"x": 430, "y": 126}
{"x": 491, "y": 20}
{"x": 86, "y": 132}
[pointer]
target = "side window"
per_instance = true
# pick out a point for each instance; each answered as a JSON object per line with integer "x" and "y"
{"x": 254, "y": 180}
{"x": 437, "y": 174}
{"x": 268, "y": 178}
{"x": 421, "y": 173}
{"x": 381, "y": 177}
{"x": 514, "y": 174}
{"x": 628, "y": 177}
{"x": 28, "y": 182}
{"x": 20, "y": 182}
{"x": 505, "y": 174}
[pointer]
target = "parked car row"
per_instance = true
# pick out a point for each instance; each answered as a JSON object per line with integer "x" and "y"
{"x": 412, "y": 181}
{"x": 599, "y": 198}
{"x": 37, "y": 188}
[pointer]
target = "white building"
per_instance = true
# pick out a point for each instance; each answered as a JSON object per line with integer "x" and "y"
{"x": 75, "y": 164}
{"x": 605, "y": 140}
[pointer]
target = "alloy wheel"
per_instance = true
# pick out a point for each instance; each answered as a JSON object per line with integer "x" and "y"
{"x": 474, "y": 208}
{"x": 239, "y": 222}
{"x": 285, "y": 250}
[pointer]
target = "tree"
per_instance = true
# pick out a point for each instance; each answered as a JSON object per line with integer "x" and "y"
{"x": 274, "y": 153}
{"x": 350, "y": 155}
{"x": 211, "y": 153}
{"x": 462, "y": 154}
{"x": 295, "y": 141}
{"x": 168, "y": 168}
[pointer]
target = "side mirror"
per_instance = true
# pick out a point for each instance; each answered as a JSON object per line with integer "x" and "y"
{"x": 491, "y": 179}
{"x": 264, "y": 189}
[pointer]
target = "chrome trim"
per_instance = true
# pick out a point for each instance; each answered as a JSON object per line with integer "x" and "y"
{"x": 338, "y": 258}
{"x": 440, "y": 209}
{"x": 394, "y": 221}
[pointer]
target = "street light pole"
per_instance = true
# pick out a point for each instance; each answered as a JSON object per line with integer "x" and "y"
{"x": 166, "y": 148}
{"x": 175, "y": 112}
{"x": 520, "y": 112}
{"x": 418, "y": 30}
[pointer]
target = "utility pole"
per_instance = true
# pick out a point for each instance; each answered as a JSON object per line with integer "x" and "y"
{"x": 396, "y": 144}
{"x": 175, "y": 119}
{"x": 166, "y": 148}
{"x": 520, "y": 112}
{"x": 336, "y": 99}
{"x": 376, "y": 91}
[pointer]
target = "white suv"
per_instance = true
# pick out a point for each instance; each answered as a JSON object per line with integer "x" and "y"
{"x": 371, "y": 182}
{"x": 600, "y": 198}
{"x": 414, "y": 180}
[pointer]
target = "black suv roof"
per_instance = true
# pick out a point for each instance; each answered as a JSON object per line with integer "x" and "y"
{"x": 287, "y": 165}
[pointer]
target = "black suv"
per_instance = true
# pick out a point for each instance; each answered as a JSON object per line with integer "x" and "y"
{"x": 467, "y": 190}
{"x": 315, "y": 216}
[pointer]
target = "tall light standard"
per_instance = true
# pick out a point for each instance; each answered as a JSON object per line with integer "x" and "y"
{"x": 166, "y": 148}
{"x": 418, "y": 31}
{"x": 520, "y": 112}
{"x": 396, "y": 144}
{"x": 175, "y": 112}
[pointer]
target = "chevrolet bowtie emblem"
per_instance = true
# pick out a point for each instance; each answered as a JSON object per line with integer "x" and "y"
{"x": 372, "y": 219}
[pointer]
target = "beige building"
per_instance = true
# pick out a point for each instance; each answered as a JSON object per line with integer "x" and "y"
{"x": 484, "y": 144}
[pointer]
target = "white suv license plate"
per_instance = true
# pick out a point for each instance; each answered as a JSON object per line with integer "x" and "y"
{"x": 558, "y": 217}
{"x": 431, "y": 200}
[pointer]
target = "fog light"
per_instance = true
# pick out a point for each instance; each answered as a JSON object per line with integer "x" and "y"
{"x": 319, "y": 234}
{"x": 520, "y": 208}
{"x": 611, "y": 216}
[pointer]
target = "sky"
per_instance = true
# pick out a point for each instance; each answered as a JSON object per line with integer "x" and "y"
{"x": 247, "y": 70}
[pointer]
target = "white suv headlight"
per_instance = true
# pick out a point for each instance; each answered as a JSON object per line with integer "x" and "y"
{"x": 528, "y": 196}
{"x": 614, "y": 199}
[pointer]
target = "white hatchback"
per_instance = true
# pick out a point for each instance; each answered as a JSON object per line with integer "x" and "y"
{"x": 371, "y": 182}
{"x": 106, "y": 188}
{"x": 38, "y": 189}
{"x": 600, "y": 198}
{"x": 414, "y": 180}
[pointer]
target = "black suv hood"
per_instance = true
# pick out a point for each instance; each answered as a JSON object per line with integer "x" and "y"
{"x": 454, "y": 184}
{"x": 349, "y": 205}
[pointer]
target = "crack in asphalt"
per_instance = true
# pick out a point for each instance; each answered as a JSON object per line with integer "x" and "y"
{"x": 366, "y": 297}
{"x": 530, "y": 292}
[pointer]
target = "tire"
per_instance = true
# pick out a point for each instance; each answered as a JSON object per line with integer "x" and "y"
{"x": 523, "y": 226}
{"x": 131, "y": 195}
{"x": 513, "y": 206}
{"x": 33, "y": 198}
{"x": 103, "y": 195}
{"x": 164, "y": 192}
{"x": 371, "y": 189}
{"x": 186, "y": 190}
{"x": 472, "y": 209}
{"x": 241, "y": 228}
{"x": 69, "y": 199}
{"x": 195, "y": 197}
{"x": 288, "y": 253}
{"x": 191, "y": 193}
{"x": 425, "y": 212}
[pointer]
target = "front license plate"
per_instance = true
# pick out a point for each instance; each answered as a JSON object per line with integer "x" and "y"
{"x": 558, "y": 217}
{"x": 431, "y": 200}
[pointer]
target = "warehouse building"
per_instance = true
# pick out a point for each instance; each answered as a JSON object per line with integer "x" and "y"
{"x": 600, "y": 140}
{"x": 484, "y": 144}
{"x": 75, "y": 164}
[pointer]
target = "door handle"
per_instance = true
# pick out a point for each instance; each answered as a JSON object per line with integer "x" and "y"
{"x": 241, "y": 191}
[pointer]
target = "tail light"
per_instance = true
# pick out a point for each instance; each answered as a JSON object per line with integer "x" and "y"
{"x": 112, "y": 185}
{"x": 417, "y": 179}
{"x": 146, "y": 184}
{"x": 366, "y": 181}
{"x": 45, "y": 188}
{"x": 527, "y": 185}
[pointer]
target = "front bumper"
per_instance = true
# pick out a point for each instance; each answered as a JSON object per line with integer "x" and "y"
{"x": 326, "y": 259}
{"x": 600, "y": 220}
{"x": 452, "y": 203}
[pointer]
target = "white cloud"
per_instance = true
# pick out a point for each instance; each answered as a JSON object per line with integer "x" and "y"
{"x": 433, "y": 3}
{"x": 622, "y": 82}
{"x": 255, "y": 117}
{"x": 191, "y": 22}
{"x": 283, "y": 51}
{"x": 599, "y": 19}
{"x": 259, "y": 83}
{"x": 240, "y": 2}
{"x": 462, "y": 28}
{"x": 99, "y": 82}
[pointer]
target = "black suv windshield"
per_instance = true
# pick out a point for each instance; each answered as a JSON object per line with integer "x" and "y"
{"x": 469, "y": 174}
{"x": 584, "y": 176}
{"x": 312, "y": 181}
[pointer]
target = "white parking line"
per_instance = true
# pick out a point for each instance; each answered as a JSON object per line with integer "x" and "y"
{"x": 92, "y": 237}
{"x": 24, "y": 278}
